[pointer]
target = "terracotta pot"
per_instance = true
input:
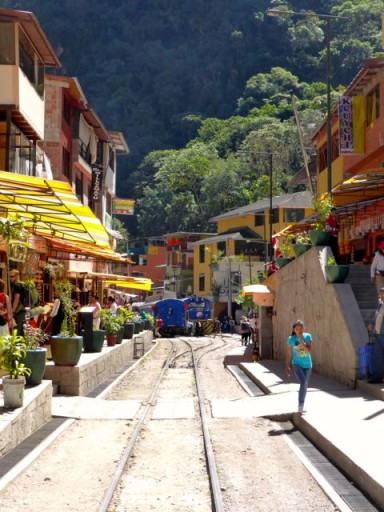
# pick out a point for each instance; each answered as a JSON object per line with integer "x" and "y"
{"x": 111, "y": 340}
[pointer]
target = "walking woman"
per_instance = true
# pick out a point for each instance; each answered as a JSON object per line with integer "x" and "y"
{"x": 298, "y": 358}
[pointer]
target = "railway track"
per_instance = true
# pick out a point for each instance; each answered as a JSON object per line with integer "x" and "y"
{"x": 171, "y": 454}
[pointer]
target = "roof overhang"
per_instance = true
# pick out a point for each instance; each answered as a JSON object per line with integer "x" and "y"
{"x": 32, "y": 28}
{"x": 50, "y": 209}
{"x": 361, "y": 187}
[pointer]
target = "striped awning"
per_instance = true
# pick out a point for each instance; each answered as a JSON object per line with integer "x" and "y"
{"x": 50, "y": 209}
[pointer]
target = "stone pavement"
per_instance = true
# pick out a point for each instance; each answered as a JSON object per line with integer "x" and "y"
{"x": 347, "y": 425}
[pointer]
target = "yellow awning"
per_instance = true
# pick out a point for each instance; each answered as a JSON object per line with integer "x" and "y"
{"x": 51, "y": 209}
{"x": 136, "y": 283}
{"x": 368, "y": 184}
{"x": 86, "y": 250}
{"x": 261, "y": 294}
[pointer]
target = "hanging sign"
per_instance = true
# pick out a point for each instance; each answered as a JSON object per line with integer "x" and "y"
{"x": 97, "y": 184}
{"x": 345, "y": 125}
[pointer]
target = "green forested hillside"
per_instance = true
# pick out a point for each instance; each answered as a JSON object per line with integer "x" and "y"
{"x": 190, "y": 84}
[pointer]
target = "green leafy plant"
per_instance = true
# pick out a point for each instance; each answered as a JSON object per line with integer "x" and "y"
{"x": 110, "y": 323}
{"x": 331, "y": 261}
{"x": 64, "y": 289}
{"x": 217, "y": 256}
{"x": 34, "y": 336}
{"x": 12, "y": 353}
{"x": 124, "y": 315}
{"x": 302, "y": 238}
{"x": 323, "y": 208}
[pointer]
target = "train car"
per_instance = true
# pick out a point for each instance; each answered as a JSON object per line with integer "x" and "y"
{"x": 173, "y": 314}
{"x": 176, "y": 312}
{"x": 198, "y": 308}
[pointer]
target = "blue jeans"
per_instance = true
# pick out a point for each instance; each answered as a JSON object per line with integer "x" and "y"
{"x": 302, "y": 375}
{"x": 378, "y": 356}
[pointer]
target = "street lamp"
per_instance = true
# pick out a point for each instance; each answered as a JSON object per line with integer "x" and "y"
{"x": 327, "y": 17}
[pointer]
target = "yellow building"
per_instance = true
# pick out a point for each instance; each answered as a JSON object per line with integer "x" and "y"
{"x": 243, "y": 244}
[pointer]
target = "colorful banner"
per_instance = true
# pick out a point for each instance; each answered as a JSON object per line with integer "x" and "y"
{"x": 123, "y": 206}
{"x": 345, "y": 125}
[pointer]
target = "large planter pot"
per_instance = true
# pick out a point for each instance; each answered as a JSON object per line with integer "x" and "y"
{"x": 336, "y": 273}
{"x": 97, "y": 341}
{"x": 13, "y": 390}
{"x": 138, "y": 327}
{"x": 35, "y": 360}
{"x": 66, "y": 351}
{"x": 319, "y": 238}
{"x": 120, "y": 336}
{"x": 300, "y": 249}
{"x": 282, "y": 261}
{"x": 111, "y": 340}
{"x": 129, "y": 330}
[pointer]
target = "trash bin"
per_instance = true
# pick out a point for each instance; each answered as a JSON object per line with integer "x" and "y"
{"x": 85, "y": 327}
{"x": 365, "y": 360}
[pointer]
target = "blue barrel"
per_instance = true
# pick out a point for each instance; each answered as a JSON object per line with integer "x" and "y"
{"x": 365, "y": 360}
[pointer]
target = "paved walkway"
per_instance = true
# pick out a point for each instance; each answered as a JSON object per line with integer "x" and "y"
{"x": 346, "y": 424}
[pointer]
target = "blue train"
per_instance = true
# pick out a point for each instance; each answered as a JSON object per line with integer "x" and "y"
{"x": 175, "y": 313}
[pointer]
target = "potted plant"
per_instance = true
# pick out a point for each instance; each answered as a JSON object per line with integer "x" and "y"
{"x": 127, "y": 321}
{"x": 283, "y": 252}
{"x": 216, "y": 288}
{"x": 111, "y": 324}
{"x": 215, "y": 260}
{"x": 12, "y": 355}
{"x": 35, "y": 353}
{"x": 317, "y": 234}
{"x": 301, "y": 243}
{"x": 66, "y": 347}
{"x": 335, "y": 273}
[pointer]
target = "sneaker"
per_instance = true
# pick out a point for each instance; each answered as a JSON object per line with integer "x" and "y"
{"x": 300, "y": 409}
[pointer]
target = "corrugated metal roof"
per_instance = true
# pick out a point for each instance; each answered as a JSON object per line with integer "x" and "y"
{"x": 296, "y": 200}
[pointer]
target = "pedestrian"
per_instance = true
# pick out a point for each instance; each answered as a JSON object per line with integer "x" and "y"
{"x": 232, "y": 326}
{"x": 245, "y": 330}
{"x": 217, "y": 328}
{"x": 112, "y": 305}
{"x": 94, "y": 302}
{"x": 253, "y": 327}
{"x": 189, "y": 327}
{"x": 57, "y": 314}
{"x": 376, "y": 328}
{"x": 377, "y": 267}
{"x": 158, "y": 326}
{"x": 17, "y": 298}
{"x": 332, "y": 227}
{"x": 5, "y": 311}
{"x": 298, "y": 358}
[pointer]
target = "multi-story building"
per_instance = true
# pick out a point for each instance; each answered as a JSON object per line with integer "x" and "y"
{"x": 224, "y": 262}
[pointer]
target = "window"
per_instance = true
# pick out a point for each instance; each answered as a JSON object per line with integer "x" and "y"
{"x": 66, "y": 110}
{"x": 201, "y": 282}
{"x": 259, "y": 219}
{"x": 275, "y": 215}
{"x": 7, "y": 43}
{"x": 221, "y": 246}
{"x": 30, "y": 64}
{"x": 66, "y": 164}
{"x": 373, "y": 105}
{"x": 79, "y": 187}
{"x": 21, "y": 152}
{"x": 201, "y": 253}
{"x": 293, "y": 214}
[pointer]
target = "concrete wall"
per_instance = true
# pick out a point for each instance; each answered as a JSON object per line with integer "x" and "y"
{"x": 329, "y": 311}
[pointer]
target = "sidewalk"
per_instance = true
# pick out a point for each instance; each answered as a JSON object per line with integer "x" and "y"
{"x": 347, "y": 425}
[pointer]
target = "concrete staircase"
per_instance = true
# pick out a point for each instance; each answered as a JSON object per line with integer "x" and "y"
{"x": 363, "y": 289}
